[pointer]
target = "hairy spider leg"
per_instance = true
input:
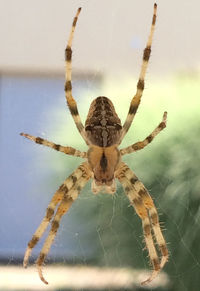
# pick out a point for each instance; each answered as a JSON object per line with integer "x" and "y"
{"x": 58, "y": 196}
{"x": 66, "y": 150}
{"x": 68, "y": 84}
{"x": 149, "y": 204}
{"x": 153, "y": 215}
{"x": 140, "y": 85}
{"x": 141, "y": 144}
{"x": 145, "y": 208}
{"x": 62, "y": 209}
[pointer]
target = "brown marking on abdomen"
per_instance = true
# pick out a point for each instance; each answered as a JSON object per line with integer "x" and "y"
{"x": 103, "y": 126}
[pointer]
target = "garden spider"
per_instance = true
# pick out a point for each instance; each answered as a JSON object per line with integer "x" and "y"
{"x": 103, "y": 134}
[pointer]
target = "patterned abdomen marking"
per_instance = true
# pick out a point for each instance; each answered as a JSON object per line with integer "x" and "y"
{"x": 103, "y": 126}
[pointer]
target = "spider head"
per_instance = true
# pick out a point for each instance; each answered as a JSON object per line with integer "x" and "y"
{"x": 103, "y": 163}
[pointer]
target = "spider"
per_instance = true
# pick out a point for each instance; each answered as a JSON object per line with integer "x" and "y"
{"x": 103, "y": 164}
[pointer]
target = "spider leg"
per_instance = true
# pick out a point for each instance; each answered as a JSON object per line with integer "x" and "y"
{"x": 58, "y": 196}
{"x": 140, "y": 85}
{"x": 141, "y": 144}
{"x": 64, "y": 206}
{"x": 67, "y": 150}
{"x": 149, "y": 204}
{"x": 68, "y": 84}
{"x": 62, "y": 209}
{"x": 127, "y": 179}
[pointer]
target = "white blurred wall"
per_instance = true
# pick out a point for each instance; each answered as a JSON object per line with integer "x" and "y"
{"x": 110, "y": 35}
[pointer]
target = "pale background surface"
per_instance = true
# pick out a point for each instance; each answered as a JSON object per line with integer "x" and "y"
{"x": 109, "y": 37}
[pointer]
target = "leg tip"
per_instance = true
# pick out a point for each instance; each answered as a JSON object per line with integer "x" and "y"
{"x": 151, "y": 278}
{"x": 26, "y": 257}
{"x": 41, "y": 275}
{"x": 165, "y": 116}
{"x": 24, "y": 134}
{"x": 44, "y": 281}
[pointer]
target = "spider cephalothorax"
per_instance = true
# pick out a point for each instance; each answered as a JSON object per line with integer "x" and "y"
{"x": 103, "y": 164}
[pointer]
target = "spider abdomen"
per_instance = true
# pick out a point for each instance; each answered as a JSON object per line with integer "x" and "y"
{"x": 103, "y": 126}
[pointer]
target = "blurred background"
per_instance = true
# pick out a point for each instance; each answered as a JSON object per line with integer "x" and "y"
{"x": 99, "y": 245}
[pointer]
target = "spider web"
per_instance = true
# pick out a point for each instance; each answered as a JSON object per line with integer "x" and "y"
{"x": 103, "y": 230}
